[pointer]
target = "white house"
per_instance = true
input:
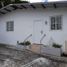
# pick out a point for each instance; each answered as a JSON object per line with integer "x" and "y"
{"x": 36, "y": 22}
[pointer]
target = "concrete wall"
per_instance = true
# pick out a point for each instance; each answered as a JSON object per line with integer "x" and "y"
{"x": 32, "y": 21}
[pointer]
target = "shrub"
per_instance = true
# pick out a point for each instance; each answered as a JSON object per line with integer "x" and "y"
{"x": 56, "y": 45}
{"x": 26, "y": 43}
{"x": 3, "y": 45}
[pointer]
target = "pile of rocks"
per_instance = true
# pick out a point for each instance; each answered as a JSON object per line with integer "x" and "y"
{"x": 12, "y": 56}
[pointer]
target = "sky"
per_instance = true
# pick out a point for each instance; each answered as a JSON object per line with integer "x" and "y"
{"x": 42, "y": 0}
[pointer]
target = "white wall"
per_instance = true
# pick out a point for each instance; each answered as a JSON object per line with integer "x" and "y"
{"x": 24, "y": 21}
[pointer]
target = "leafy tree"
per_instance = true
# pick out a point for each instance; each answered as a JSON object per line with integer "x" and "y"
{"x": 2, "y": 3}
{"x": 6, "y": 2}
{"x": 19, "y": 1}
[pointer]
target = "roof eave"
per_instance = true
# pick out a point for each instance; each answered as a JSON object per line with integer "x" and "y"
{"x": 12, "y": 7}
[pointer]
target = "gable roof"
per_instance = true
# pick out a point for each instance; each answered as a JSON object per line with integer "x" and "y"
{"x": 44, "y": 5}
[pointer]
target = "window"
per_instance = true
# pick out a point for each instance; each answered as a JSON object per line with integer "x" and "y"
{"x": 56, "y": 23}
{"x": 10, "y": 26}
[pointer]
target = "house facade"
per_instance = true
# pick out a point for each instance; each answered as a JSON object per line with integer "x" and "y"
{"x": 36, "y": 22}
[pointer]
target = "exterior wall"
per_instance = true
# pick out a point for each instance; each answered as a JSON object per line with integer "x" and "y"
{"x": 25, "y": 22}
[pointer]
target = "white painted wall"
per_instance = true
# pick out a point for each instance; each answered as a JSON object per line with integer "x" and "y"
{"x": 25, "y": 22}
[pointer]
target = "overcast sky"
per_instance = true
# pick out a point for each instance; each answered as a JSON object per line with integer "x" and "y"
{"x": 43, "y": 0}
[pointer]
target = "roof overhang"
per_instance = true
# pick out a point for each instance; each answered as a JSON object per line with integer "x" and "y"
{"x": 44, "y": 5}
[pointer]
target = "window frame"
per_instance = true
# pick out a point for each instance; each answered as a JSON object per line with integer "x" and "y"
{"x": 60, "y": 24}
{"x": 10, "y": 26}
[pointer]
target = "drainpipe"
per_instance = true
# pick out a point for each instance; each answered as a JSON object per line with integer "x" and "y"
{"x": 42, "y": 38}
{"x": 41, "y": 41}
{"x": 27, "y": 37}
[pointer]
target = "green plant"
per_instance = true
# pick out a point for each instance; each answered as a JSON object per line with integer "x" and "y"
{"x": 25, "y": 43}
{"x": 56, "y": 45}
{"x": 3, "y": 45}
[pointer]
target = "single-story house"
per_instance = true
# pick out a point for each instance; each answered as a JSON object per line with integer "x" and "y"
{"x": 36, "y": 22}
